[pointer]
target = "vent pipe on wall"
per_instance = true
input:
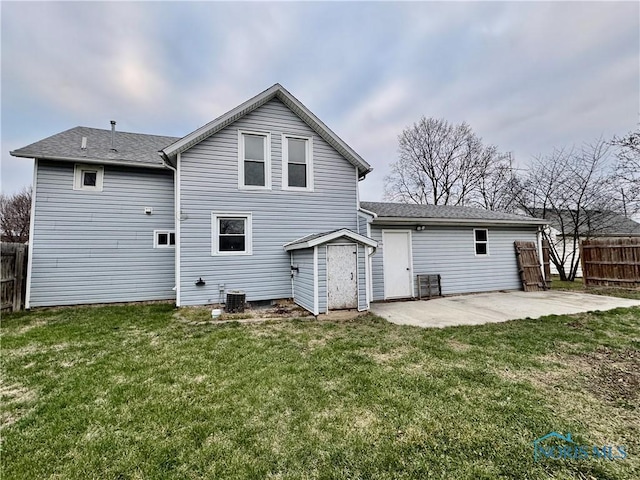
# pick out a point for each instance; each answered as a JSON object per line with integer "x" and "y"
{"x": 113, "y": 135}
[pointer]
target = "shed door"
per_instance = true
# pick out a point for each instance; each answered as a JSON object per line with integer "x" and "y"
{"x": 396, "y": 258}
{"x": 342, "y": 275}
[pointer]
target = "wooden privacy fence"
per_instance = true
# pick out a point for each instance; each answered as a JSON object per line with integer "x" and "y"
{"x": 613, "y": 262}
{"x": 529, "y": 266}
{"x": 14, "y": 275}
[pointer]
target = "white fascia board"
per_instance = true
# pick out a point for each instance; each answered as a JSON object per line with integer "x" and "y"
{"x": 292, "y": 103}
{"x": 217, "y": 124}
{"x": 323, "y": 130}
{"x": 454, "y": 221}
{"x": 331, "y": 236}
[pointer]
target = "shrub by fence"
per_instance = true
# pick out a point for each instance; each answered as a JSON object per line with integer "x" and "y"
{"x": 14, "y": 276}
{"x": 613, "y": 262}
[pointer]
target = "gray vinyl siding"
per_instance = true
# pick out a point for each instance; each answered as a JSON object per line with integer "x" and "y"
{"x": 450, "y": 252}
{"x": 362, "y": 278}
{"x": 303, "y": 284}
{"x": 97, "y": 247}
{"x": 209, "y": 183}
{"x": 322, "y": 279}
{"x": 362, "y": 225}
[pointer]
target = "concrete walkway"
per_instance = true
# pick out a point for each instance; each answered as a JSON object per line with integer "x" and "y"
{"x": 493, "y": 307}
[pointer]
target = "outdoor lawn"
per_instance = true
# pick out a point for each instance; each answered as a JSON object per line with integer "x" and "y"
{"x": 142, "y": 392}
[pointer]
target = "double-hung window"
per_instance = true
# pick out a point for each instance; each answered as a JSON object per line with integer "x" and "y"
{"x": 481, "y": 241}
{"x": 231, "y": 234}
{"x": 297, "y": 163}
{"x": 254, "y": 160}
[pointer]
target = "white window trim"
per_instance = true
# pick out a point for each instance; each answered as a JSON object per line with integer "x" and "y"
{"x": 77, "y": 177}
{"x": 156, "y": 233}
{"x": 248, "y": 232}
{"x": 267, "y": 160}
{"x": 285, "y": 163}
{"x": 475, "y": 242}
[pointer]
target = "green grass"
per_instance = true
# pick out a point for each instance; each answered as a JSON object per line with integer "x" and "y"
{"x": 136, "y": 392}
{"x": 578, "y": 286}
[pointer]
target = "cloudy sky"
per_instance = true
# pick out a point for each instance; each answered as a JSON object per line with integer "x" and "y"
{"x": 526, "y": 76}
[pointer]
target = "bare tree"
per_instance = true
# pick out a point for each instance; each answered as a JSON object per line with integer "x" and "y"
{"x": 572, "y": 188}
{"x": 627, "y": 171}
{"x": 15, "y": 215}
{"x": 444, "y": 164}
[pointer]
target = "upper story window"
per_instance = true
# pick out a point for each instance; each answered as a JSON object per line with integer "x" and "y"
{"x": 88, "y": 177}
{"x": 254, "y": 160}
{"x": 481, "y": 240}
{"x": 231, "y": 234}
{"x": 164, "y": 238}
{"x": 297, "y": 163}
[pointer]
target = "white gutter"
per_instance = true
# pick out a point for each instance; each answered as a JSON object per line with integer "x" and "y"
{"x": 368, "y": 212}
{"x": 455, "y": 221}
{"x": 88, "y": 160}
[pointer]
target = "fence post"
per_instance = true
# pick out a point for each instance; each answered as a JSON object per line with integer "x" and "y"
{"x": 585, "y": 277}
{"x": 18, "y": 277}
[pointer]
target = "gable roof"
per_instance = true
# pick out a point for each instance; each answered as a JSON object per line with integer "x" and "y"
{"x": 590, "y": 222}
{"x": 279, "y": 92}
{"x": 324, "y": 237}
{"x": 443, "y": 214}
{"x": 136, "y": 149}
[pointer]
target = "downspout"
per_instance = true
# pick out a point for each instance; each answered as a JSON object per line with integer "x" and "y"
{"x": 176, "y": 227}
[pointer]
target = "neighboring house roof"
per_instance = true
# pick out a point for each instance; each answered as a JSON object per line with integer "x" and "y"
{"x": 443, "y": 214}
{"x": 324, "y": 237}
{"x": 135, "y": 149}
{"x": 279, "y": 92}
{"x": 591, "y": 223}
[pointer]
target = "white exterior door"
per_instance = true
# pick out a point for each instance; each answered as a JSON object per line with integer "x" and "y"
{"x": 398, "y": 265}
{"x": 342, "y": 276}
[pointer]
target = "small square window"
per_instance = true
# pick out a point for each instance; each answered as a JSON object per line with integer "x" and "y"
{"x": 88, "y": 177}
{"x": 481, "y": 241}
{"x": 164, "y": 239}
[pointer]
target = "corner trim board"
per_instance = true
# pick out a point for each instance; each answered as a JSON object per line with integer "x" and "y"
{"x": 32, "y": 221}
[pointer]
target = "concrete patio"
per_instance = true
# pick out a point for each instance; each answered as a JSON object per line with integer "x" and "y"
{"x": 495, "y": 307}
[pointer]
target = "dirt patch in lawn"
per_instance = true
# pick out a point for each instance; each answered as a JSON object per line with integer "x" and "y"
{"x": 614, "y": 374}
{"x": 202, "y": 315}
{"x": 611, "y": 375}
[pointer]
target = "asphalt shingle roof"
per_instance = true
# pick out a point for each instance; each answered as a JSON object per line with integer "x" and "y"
{"x": 130, "y": 148}
{"x": 441, "y": 212}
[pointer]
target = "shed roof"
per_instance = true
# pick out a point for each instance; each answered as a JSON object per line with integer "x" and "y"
{"x": 279, "y": 92}
{"x": 137, "y": 149}
{"x": 443, "y": 214}
{"x": 314, "y": 239}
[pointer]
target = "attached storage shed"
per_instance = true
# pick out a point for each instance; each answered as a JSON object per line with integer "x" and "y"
{"x": 471, "y": 249}
{"x": 330, "y": 270}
